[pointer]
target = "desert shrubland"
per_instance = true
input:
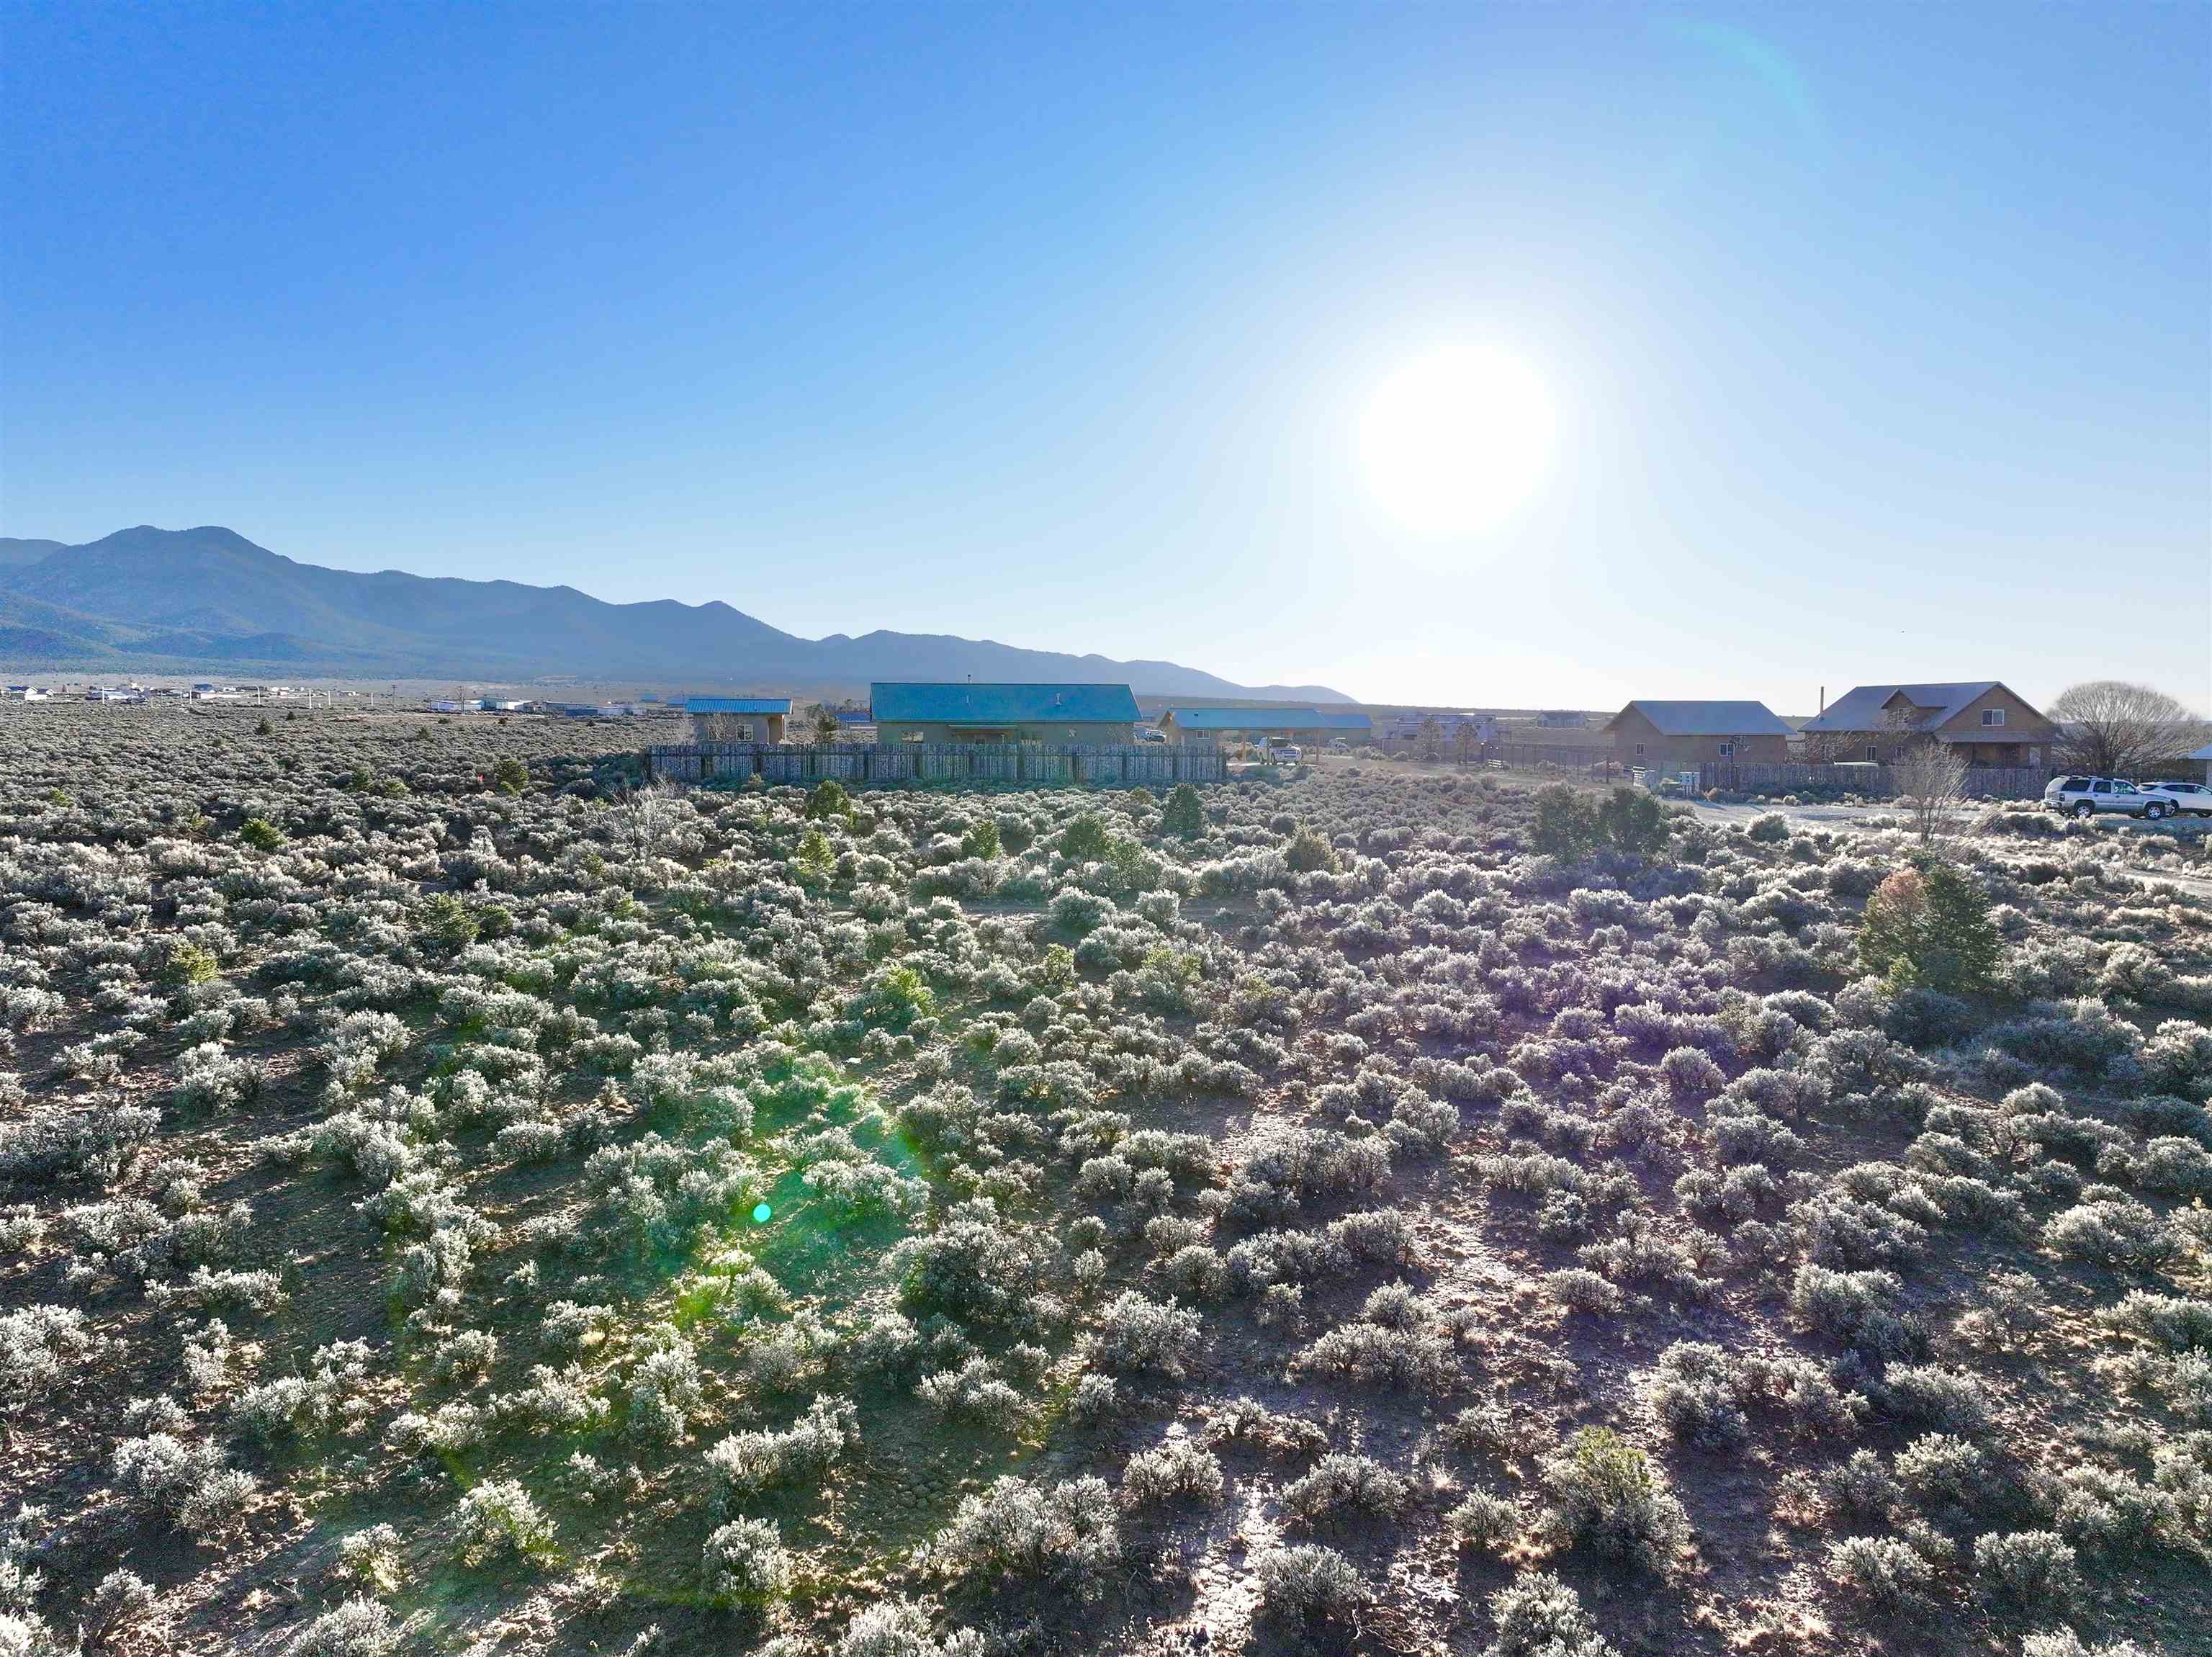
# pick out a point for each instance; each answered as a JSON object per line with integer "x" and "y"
{"x": 909, "y": 1221}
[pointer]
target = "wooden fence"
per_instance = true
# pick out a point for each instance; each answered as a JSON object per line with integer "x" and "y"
{"x": 1020, "y": 764}
{"x": 1867, "y": 781}
{"x": 1586, "y": 758}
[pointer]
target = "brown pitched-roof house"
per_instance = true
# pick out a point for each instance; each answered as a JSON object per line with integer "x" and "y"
{"x": 1987, "y": 721}
{"x": 1676, "y": 735}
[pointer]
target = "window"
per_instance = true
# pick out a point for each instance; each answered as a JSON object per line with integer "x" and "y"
{"x": 1873, "y": 754}
{"x": 2100, "y": 787}
{"x": 1639, "y": 748}
{"x": 1993, "y": 716}
{"x": 1728, "y": 750}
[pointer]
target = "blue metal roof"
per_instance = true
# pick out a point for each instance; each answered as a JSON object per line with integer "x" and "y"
{"x": 1329, "y": 722}
{"x": 917, "y": 703}
{"x": 737, "y": 704}
{"x": 1246, "y": 719}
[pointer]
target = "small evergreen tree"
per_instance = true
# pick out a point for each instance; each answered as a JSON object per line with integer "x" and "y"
{"x": 1307, "y": 851}
{"x": 510, "y": 775}
{"x": 1632, "y": 819}
{"x": 815, "y": 860}
{"x": 1084, "y": 840}
{"x": 1566, "y": 824}
{"x": 1928, "y": 926}
{"x": 1185, "y": 815}
{"x": 261, "y": 834}
{"x": 828, "y": 798}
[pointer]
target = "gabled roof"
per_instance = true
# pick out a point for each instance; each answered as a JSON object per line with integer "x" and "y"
{"x": 737, "y": 704}
{"x": 1865, "y": 707}
{"x": 906, "y": 702}
{"x": 2204, "y": 752}
{"x": 1246, "y": 719}
{"x": 1708, "y": 718}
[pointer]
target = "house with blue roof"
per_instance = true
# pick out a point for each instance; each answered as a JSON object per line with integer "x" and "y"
{"x": 1100, "y": 716}
{"x": 1293, "y": 724}
{"x": 737, "y": 718}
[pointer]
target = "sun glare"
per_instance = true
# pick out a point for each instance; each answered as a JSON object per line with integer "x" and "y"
{"x": 1457, "y": 441}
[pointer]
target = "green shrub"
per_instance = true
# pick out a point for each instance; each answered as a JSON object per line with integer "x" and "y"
{"x": 1928, "y": 926}
{"x": 261, "y": 834}
{"x": 1768, "y": 828}
{"x": 1632, "y": 820}
{"x": 1307, "y": 852}
{"x": 1084, "y": 840}
{"x": 189, "y": 964}
{"x": 510, "y": 775}
{"x": 815, "y": 860}
{"x": 828, "y": 798}
{"x": 1567, "y": 825}
{"x": 1608, "y": 1496}
{"x": 1184, "y": 815}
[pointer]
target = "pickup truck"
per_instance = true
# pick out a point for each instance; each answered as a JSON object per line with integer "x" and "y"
{"x": 2085, "y": 796}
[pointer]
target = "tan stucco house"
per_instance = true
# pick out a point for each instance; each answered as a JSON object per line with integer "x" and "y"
{"x": 1984, "y": 719}
{"x": 737, "y": 718}
{"x": 1676, "y": 735}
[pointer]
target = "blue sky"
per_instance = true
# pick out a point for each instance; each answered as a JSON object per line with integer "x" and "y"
{"x": 1877, "y": 338}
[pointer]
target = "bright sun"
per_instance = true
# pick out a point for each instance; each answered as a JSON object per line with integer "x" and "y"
{"x": 1457, "y": 441}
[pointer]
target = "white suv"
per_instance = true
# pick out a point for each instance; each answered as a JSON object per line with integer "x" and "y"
{"x": 2186, "y": 796}
{"x": 2085, "y": 796}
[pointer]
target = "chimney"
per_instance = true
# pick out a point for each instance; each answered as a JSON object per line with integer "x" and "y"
{"x": 1824, "y": 698}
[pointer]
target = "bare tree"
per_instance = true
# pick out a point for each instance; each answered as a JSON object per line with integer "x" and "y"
{"x": 649, "y": 817}
{"x": 1931, "y": 786}
{"x": 2117, "y": 729}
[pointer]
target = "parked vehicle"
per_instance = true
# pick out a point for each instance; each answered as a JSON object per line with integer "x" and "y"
{"x": 1148, "y": 734}
{"x": 2085, "y": 796}
{"x": 2186, "y": 796}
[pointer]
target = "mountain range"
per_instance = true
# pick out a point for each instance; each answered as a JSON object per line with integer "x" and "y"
{"x": 174, "y": 600}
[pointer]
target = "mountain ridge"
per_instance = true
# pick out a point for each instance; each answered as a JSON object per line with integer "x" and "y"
{"x": 170, "y": 599}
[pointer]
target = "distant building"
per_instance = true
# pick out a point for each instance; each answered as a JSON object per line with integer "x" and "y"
{"x": 1674, "y": 735}
{"x": 1984, "y": 719}
{"x": 1100, "y": 714}
{"x": 1410, "y": 728}
{"x": 2204, "y": 756}
{"x": 1563, "y": 719}
{"x": 737, "y": 718}
{"x": 1294, "y": 724}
